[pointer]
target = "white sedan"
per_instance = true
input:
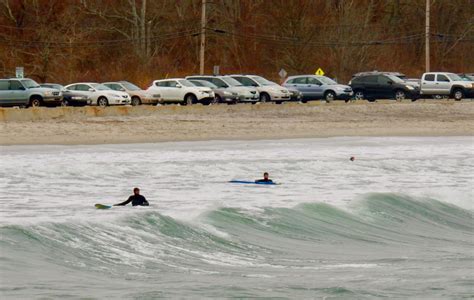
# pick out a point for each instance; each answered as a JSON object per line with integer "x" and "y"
{"x": 99, "y": 93}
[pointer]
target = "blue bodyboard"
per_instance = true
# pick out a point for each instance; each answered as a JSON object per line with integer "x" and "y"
{"x": 253, "y": 182}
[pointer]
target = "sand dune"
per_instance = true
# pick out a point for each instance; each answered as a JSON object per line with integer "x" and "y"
{"x": 146, "y": 124}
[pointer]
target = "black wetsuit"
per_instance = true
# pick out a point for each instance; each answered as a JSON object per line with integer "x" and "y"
{"x": 264, "y": 180}
{"x": 137, "y": 200}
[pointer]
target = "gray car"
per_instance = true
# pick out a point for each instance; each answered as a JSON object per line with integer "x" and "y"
{"x": 26, "y": 92}
{"x": 222, "y": 95}
{"x": 318, "y": 87}
{"x": 269, "y": 91}
{"x": 246, "y": 94}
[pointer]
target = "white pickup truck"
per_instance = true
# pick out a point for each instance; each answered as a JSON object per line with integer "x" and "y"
{"x": 442, "y": 84}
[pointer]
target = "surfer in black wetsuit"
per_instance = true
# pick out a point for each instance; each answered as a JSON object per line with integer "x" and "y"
{"x": 265, "y": 178}
{"x": 136, "y": 199}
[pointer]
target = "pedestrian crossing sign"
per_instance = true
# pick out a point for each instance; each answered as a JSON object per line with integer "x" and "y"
{"x": 319, "y": 72}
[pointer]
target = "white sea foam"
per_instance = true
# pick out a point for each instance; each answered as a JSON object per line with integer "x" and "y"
{"x": 51, "y": 183}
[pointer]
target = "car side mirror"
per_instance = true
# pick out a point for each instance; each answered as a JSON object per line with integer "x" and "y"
{"x": 22, "y": 88}
{"x": 122, "y": 90}
{"x": 390, "y": 82}
{"x": 91, "y": 90}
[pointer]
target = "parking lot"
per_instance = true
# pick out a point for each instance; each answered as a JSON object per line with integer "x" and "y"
{"x": 238, "y": 88}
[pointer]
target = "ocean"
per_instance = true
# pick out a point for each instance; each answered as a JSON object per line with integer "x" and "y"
{"x": 396, "y": 222}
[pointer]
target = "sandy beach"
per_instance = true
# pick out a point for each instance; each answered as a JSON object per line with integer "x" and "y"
{"x": 147, "y": 124}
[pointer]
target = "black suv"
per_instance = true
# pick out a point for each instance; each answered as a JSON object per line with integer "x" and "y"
{"x": 382, "y": 86}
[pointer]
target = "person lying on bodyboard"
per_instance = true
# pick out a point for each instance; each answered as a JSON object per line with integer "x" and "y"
{"x": 265, "y": 179}
{"x": 136, "y": 199}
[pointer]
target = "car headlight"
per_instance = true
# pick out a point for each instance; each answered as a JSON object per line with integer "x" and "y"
{"x": 227, "y": 93}
{"x": 48, "y": 93}
{"x": 411, "y": 88}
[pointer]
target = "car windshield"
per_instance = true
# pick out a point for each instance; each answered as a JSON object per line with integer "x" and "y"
{"x": 52, "y": 86}
{"x": 469, "y": 77}
{"x": 130, "y": 86}
{"x": 204, "y": 83}
{"x": 454, "y": 77}
{"x": 262, "y": 80}
{"x": 231, "y": 81}
{"x": 100, "y": 87}
{"x": 185, "y": 82}
{"x": 395, "y": 79}
{"x": 29, "y": 84}
{"x": 197, "y": 83}
{"x": 326, "y": 80}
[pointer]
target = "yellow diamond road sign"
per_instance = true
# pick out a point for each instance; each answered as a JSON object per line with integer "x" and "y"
{"x": 320, "y": 72}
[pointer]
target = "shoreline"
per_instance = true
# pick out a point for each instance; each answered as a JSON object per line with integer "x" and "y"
{"x": 146, "y": 124}
{"x": 89, "y": 142}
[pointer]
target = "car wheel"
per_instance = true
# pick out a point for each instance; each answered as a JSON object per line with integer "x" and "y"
{"x": 190, "y": 99}
{"x": 136, "y": 101}
{"x": 264, "y": 97}
{"x": 400, "y": 95}
{"x": 102, "y": 102}
{"x": 35, "y": 102}
{"x": 64, "y": 102}
{"x": 458, "y": 94}
{"x": 359, "y": 95}
{"x": 218, "y": 99}
{"x": 330, "y": 96}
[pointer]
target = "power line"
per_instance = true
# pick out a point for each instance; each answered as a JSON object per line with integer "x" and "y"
{"x": 56, "y": 44}
{"x": 408, "y": 39}
{"x": 298, "y": 41}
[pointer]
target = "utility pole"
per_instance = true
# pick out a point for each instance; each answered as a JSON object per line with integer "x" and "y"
{"x": 427, "y": 37}
{"x": 203, "y": 38}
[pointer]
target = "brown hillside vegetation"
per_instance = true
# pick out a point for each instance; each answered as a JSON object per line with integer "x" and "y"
{"x": 97, "y": 40}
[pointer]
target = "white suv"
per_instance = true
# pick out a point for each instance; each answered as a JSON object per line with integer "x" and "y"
{"x": 99, "y": 93}
{"x": 269, "y": 91}
{"x": 182, "y": 91}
